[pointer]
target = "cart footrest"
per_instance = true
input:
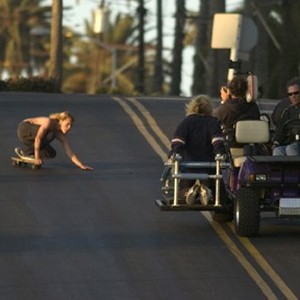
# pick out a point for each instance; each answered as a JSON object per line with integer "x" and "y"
{"x": 165, "y": 206}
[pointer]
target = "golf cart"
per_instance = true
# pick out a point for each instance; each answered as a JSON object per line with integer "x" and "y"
{"x": 253, "y": 183}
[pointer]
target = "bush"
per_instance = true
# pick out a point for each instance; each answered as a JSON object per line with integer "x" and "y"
{"x": 3, "y": 85}
{"x": 31, "y": 84}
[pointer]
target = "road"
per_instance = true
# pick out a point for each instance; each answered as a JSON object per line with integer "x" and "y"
{"x": 72, "y": 234}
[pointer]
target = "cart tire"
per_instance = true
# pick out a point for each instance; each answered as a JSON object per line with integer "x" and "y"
{"x": 246, "y": 212}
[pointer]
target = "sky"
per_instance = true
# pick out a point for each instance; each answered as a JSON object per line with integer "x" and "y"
{"x": 82, "y": 9}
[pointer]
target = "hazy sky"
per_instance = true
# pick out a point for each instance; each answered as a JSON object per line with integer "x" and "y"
{"x": 82, "y": 9}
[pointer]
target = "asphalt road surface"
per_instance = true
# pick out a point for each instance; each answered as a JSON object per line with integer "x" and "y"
{"x": 72, "y": 234}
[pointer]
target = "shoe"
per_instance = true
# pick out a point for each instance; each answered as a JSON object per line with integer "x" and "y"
{"x": 205, "y": 195}
{"x": 22, "y": 155}
{"x": 192, "y": 194}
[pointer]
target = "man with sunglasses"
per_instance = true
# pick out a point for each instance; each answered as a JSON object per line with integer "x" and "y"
{"x": 292, "y": 87}
{"x": 286, "y": 139}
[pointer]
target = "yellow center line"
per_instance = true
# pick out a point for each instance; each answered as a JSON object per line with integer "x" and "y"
{"x": 265, "y": 266}
{"x": 140, "y": 126}
{"x": 241, "y": 258}
{"x": 216, "y": 226}
{"x": 151, "y": 121}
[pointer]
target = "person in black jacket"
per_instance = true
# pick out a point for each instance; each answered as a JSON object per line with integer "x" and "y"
{"x": 236, "y": 108}
{"x": 198, "y": 137}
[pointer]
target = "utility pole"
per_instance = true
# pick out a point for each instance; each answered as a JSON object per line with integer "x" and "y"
{"x": 141, "y": 49}
{"x": 55, "y": 70}
{"x": 158, "y": 70}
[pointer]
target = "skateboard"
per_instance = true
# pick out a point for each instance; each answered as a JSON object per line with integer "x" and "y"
{"x": 23, "y": 162}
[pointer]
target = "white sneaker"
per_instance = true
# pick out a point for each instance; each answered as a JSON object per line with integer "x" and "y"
{"x": 205, "y": 195}
{"x": 192, "y": 194}
{"x": 21, "y": 154}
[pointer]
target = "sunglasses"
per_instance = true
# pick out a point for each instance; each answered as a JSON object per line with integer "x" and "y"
{"x": 293, "y": 93}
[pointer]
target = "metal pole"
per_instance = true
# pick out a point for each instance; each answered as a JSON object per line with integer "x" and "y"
{"x": 218, "y": 181}
{"x": 114, "y": 68}
{"x": 176, "y": 181}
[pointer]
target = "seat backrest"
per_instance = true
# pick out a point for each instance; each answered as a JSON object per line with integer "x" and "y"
{"x": 249, "y": 132}
{"x": 252, "y": 132}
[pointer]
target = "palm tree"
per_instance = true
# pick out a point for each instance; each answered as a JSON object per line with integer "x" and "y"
{"x": 55, "y": 70}
{"x": 17, "y": 18}
{"x": 93, "y": 69}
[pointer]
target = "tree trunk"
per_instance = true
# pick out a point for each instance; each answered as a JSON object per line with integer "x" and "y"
{"x": 200, "y": 65}
{"x": 158, "y": 69}
{"x": 217, "y": 59}
{"x": 178, "y": 47}
{"x": 210, "y": 66}
{"x": 285, "y": 46}
{"x": 259, "y": 55}
{"x": 140, "y": 83}
{"x": 55, "y": 70}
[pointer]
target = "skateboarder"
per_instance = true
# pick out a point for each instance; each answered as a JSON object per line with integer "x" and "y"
{"x": 37, "y": 133}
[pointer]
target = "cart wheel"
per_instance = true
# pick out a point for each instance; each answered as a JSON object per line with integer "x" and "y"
{"x": 247, "y": 212}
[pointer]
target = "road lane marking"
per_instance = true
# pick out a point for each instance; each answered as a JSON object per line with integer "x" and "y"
{"x": 265, "y": 266}
{"x": 151, "y": 121}
{"x": 261, "y": 283}
{"x": 142, "y": 129}
{"x": 241, "y": 258}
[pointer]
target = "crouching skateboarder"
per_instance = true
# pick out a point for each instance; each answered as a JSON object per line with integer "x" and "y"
{"x": 36, "y": 135}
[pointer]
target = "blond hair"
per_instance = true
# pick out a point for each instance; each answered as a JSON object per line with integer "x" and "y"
{"x": 200, "y": 104}
{"x": 61, "y": 116}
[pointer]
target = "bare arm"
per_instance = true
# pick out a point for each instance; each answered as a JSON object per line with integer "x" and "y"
{"x": 63, "y": 139}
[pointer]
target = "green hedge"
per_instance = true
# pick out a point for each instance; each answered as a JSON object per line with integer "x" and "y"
{"x": 31, "y": 84}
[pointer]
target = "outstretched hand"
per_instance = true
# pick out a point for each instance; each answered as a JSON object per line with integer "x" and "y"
{"x": 87, "y": 168}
